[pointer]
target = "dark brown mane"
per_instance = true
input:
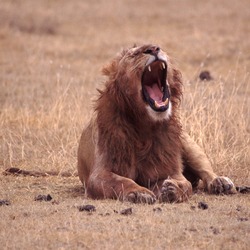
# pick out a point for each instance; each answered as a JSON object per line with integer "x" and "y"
{"x": 125, "y": 129}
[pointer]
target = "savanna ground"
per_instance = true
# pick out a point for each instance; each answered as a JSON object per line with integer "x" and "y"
{"x": 51, "y": 53}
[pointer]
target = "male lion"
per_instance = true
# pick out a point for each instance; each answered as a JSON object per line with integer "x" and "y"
{"x": 134, "y": 148}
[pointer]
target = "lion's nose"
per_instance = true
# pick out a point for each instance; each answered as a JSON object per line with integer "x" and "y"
{"x": 153, "y": 50}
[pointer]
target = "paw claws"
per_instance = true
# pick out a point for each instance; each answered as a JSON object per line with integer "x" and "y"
{"x": 222, "y": 185}
{"x": 141, "y": 197}
{"x": 171, "y": 192}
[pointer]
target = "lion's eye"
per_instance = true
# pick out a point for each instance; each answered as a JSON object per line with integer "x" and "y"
{"x": 152, "y": 50}
{"x": 148, "y": 51}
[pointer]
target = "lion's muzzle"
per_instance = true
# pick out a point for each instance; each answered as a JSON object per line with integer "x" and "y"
{"x": 155, "y": 89}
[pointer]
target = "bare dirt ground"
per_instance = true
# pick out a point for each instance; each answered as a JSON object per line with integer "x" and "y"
{"x": 51, "y": 53}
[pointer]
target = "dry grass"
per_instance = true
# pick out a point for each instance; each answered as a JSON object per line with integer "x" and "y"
{"x": 51, "y": 53}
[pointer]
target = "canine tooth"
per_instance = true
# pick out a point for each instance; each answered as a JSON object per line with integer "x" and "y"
{"x": 157, "y": 105}
{"x": 163, "y": 65}
{"x": 166, "y": 102}
{"x": 149, "y": 68}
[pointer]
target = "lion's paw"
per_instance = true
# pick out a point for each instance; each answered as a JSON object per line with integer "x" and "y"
{"x": 141, "y": 197}
{"x": 172, "y": 191}
{"x": 169, "y": 192}
{"x": 221, "y": 185}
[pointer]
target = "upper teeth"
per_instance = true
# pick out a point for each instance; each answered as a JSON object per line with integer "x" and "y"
{"x": 163, "y": 66}
{"x": 166, "y": 102}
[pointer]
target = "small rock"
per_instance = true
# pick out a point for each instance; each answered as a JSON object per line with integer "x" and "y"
{"x": 4, "y": 202}
{"x": 192, "y": 229}
{"x": 127, "y": 211}
{"x": 238, "y": 208}
{"x": 205, "y": 76}
{"x": 12, "y": 217}
{"x": 215, "y": 230}
{"x": 157, "y": 209}
{"x": 55, "y": 202}
{"x": 202, "y": 205}
{"x": 87, "y": 208}
{"x": 42, "y": 197}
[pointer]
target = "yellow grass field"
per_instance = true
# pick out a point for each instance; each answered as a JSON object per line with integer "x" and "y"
{"x": 51, "y": 55}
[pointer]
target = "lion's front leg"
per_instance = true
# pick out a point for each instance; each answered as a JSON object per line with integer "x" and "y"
{"x": 105, "y": 184}
{"x": 197, "y": 166}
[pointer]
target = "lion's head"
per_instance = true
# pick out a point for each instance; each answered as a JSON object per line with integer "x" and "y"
{"x": 143, "y": 78}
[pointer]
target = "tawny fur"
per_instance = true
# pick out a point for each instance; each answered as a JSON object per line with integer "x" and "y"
{"x": 126, "y": 154}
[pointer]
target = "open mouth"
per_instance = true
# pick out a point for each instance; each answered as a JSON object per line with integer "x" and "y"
{"x": 154, "y": 86}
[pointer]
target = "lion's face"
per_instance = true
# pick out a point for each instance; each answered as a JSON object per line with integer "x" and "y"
{"x": 143, "y": 72}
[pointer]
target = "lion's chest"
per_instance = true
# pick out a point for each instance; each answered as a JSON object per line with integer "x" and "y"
{"x": 145, "y": 153}
{"x": 156, "y": 160}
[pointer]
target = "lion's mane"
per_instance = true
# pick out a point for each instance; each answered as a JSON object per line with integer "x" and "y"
{"x": 127, "y": 135}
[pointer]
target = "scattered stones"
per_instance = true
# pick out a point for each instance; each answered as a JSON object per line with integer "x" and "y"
{"x": 87, "y": 208}
{"x": 4, "y": 202}
{"x": 242, "y": 219}
{"x": 243, "y": 189}
{"x": 205, "y": 76}
{"x": 127, "y": 211}
{"x": 202, "y": 205}
{"x": 105, "y": 214}
{"x": 42, "y": 197}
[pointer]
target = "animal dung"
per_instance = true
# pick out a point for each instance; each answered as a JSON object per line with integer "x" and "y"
{"x": 127, "y": 211}
{"x": 4, "y": 202}
{"x": 205, "y": 76}
{"x": 157, "y": 209}
{"x": 87, "y": 208}
{"x": 202, "y": 205}
{"x": 243, "y": 189}
{"x": 42, "y": 197}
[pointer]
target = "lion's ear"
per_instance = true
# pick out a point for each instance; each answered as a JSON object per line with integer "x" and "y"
{"x": 110, "y": 68}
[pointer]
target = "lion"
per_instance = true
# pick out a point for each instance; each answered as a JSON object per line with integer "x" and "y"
{"x": 134, "y": 149}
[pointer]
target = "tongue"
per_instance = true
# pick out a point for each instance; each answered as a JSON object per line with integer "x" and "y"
{"x": 155, "y": 93}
